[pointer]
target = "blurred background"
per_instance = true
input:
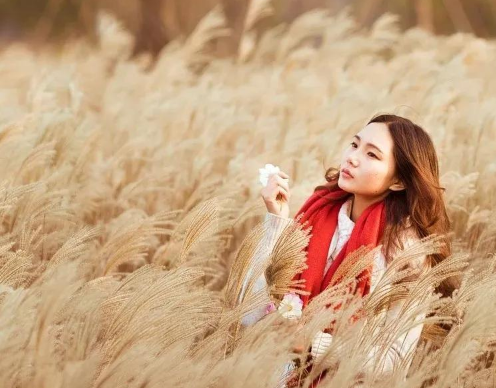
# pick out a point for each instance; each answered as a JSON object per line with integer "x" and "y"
{"x": 155, "y": 23}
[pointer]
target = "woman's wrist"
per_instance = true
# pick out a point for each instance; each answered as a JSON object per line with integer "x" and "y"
{"x": 273, "y": 207}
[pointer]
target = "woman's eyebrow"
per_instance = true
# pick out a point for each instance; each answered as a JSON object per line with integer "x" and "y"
{"x": 370, "y": 144}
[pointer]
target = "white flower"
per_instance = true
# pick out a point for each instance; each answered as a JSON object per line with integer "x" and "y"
{"x": 265, "y": 172}
{"x": 290, "y": 306}
{"x": 320, "y": 343}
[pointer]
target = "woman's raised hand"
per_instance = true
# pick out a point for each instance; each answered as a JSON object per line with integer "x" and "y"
{"x": 276, "y": 194}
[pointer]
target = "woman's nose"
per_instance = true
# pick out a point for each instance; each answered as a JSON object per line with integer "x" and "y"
{"x": 352, "y": 160}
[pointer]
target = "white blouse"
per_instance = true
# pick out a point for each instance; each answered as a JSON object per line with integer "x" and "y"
{"x": 275, "y": 226}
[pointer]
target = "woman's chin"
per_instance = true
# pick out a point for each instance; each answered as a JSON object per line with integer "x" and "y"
{"x": 343, "y": 185}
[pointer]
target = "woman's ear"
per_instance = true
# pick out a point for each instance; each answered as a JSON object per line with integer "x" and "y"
{"x": 397, "y": 186}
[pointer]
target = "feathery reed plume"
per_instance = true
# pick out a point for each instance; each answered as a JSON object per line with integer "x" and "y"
{"x": 211, "y": 27}
{"x": 243, "y": 265}
{"x": 286, "y": 260}
{"x": 131, "y": 241}
{"x": 257, "y": 10}
{"x": 198, "y": 227}
{"x": 306, "y": 26}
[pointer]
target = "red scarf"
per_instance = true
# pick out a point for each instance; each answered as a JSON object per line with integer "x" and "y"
{"x": 321, "y": 211}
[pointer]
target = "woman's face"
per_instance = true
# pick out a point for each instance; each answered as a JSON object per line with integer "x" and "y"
{"x": 369, "y": 159}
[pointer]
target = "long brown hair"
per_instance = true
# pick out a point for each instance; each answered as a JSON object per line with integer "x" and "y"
{"x": 416, "y": 165}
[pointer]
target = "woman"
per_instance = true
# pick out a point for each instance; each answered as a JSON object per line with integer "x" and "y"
{"x": 385, "y": 192}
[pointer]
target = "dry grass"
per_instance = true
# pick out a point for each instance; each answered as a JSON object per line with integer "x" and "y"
{"x": 129, "y": 190}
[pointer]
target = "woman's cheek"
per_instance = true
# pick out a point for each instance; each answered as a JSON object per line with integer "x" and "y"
{"x": 373, "y": 182}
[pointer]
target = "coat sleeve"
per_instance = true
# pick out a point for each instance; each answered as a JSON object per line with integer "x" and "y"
{"x": 407, "y": 342}
{"x": 274, "y": 226}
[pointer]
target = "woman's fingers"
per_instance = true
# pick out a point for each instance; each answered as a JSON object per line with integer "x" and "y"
{"x": 277, "y": 180}
{"x": 276, "y": 194}
{"x": 282, "y": 182}
{"x": 284, "y": 193}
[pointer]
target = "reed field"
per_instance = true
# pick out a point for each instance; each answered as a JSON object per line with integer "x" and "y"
{"x": 130, "y": 204}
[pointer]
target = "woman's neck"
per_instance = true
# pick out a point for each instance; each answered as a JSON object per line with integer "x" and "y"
{"x": 360, "y": 203}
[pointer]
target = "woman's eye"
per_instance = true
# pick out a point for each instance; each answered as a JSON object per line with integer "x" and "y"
{"x": 355, "y": 145}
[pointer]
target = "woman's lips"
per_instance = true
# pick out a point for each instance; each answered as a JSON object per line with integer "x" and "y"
{"x": 346, "y": 174}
